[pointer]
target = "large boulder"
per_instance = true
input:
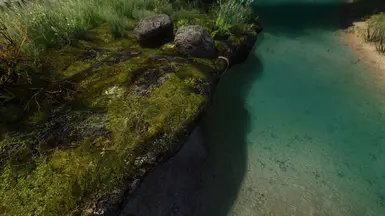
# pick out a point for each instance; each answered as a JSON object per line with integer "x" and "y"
{"x": 154, "y": 29}
{"x": 194, "y": 40}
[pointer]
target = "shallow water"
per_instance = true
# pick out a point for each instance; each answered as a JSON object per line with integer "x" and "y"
{"x": 298, "y": 129}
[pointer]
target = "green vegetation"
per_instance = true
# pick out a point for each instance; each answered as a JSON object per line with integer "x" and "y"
{"x": 30, "y": 30}
{"x": 375, "y": 31}
{"x": 57, "y": 180}
{"x": 96, "y": 102}
{"x": 232, "y": 15}
{"x": 47, "y": 22}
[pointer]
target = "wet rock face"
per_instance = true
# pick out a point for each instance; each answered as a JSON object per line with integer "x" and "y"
{"x": 194, "y": 40}
{"x": 154, "y": 30}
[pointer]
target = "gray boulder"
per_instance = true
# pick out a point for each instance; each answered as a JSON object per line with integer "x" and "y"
{"x": 154, "y": 29}
{"x": 194, "y": 40}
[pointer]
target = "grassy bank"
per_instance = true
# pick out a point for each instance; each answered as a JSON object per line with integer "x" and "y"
{"x": 95, "y": 105}
{"x": 45, "y": 23}
{"x": 30, "y": 30}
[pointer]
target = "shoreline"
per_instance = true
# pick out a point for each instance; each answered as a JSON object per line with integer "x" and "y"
{"x": 366, "y": 52}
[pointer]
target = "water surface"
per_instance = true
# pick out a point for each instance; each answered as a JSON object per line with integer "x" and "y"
{"x": 298, "y": 129}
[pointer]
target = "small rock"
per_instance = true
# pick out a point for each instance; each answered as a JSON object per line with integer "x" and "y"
{"x": 114, "y": 91}
{"x": 134, "y": 185}
{"x": 153, "y": 29}
{"x": 194, "y": 40}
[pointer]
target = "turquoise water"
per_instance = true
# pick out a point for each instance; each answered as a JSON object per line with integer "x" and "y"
{"x": 313, "y": 123}
{"x": 297, "y": 130}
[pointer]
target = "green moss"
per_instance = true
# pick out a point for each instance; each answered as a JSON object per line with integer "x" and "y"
{"x": 192, "y": 17}
{"x": 68, "y": 176}
{"x": 221, "y": 46}
{"x": 168, "y": 48}
{"x": 189, "y": 70}
{"x": 16, "y": 153}
{"x": 60, "y": 60}
{"x": 54, "y": 187}
{"x": 212, "y": 64}
{"x": 76, "y": 67}
{"x": 236, "y": 38}
{"x": 37, "y": 117}
{"x": 117, "y": 45}
{"x": 134, "y": 118}
{"x": 58, "y": 183}
{"x": 177, "y": 103}
{"x": 101, "y": 34}
{"x": 102, "y": 38}
{"x": 94, "y": 86}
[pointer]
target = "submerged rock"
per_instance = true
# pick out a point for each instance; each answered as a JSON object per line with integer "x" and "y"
{"x": 194, "y": 40}
{"x": 154, "y": 29}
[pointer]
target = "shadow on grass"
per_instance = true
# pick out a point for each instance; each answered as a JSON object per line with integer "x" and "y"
{"x": 205, "y": 176}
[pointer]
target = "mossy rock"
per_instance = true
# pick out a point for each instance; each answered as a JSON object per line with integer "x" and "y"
{"x": 130, "y": 109}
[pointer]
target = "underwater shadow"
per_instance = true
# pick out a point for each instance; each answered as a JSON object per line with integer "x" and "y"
{"x": 204, "y": 177}
{"x": 225, "y": 130}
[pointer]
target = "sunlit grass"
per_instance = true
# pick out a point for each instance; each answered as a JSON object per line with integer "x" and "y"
{"x": 47, "y": 22}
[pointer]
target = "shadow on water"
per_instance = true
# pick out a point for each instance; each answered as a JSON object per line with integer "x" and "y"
{"x": 225, "y": 129}
{"x": 204, "y": 179}
{"x": 293, "y": 19}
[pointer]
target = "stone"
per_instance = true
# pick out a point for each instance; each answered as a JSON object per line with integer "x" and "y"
{"x": 195, "y": 41}
{"x": 154, "y": 29}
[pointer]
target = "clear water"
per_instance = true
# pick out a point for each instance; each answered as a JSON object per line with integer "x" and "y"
{"x": 297, "y": 130}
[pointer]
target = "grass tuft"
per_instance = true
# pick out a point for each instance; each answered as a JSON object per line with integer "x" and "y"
{"x": 375, "y": 31}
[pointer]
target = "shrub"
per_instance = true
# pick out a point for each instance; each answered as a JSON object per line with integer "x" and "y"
{"x": 10, "y": 58}
{"x": 185, "y": 17}
{"x": 234, "y": 12}
{"x": 375, "y": 31}
{"x": 232, "y": 15}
